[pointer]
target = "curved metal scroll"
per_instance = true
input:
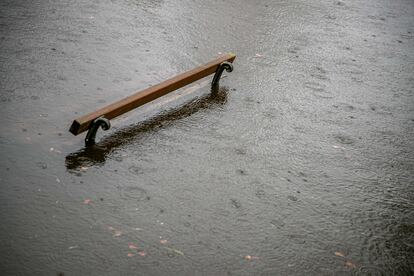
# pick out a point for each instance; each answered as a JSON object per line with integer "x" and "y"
{"x": 102, "y": 122}
{"x": 216, "y": 79}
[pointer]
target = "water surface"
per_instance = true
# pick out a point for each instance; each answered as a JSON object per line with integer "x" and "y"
{"x": 302, "y": 164}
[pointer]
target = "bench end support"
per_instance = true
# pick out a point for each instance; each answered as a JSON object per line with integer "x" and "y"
{"x": 102, "y": 122}
{"x": 223, "y": 66}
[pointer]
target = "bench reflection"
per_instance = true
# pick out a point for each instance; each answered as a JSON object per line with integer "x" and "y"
{"x": 97, "y": 154}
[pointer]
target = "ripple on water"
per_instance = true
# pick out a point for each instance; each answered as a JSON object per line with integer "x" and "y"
{"x": 344, "y": 139}
{"x": 134, "y": 192}
{"x": 318, "y": 89}
{"x": 135, "y": 170}
{"x": 370, "y": 271}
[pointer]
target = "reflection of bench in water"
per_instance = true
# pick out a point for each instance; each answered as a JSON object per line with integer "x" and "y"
{"x": 97, "y": 155}
{"x": 101, "y": 117}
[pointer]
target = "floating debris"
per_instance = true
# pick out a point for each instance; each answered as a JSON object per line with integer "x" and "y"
{"x": 338, "y": 147}
{"x": 116, "y": 233}
{"x": 87, "y": 201}
{"x": 339, "y": 254}
{"x": 349, "y": 264}
{"x": 258, "y": 55}
{"x": 176, "y": 251}
{"x": 73, "y": 247}
{"x": 163, "y": 241}
{"x": 142, "y": 253}
{"x": 250, "y": 258}
{"x": 130, "y": 254}
{"x": 54, "y": 150}
{"x": 132, "y": 246}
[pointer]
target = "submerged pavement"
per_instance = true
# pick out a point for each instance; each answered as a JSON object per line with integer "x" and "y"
{"x": 303, "y": 164}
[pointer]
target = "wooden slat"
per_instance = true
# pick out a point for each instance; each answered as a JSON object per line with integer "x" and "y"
{"x": 111, "y": 111}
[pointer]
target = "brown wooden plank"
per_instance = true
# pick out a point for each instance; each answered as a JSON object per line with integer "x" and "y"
{"x": 111, "y": 111}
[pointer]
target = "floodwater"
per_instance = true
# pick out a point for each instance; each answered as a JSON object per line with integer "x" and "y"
{"x": 301, "y": 164}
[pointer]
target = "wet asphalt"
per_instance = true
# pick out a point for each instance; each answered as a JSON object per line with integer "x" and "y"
{"x": 302, "y": 163}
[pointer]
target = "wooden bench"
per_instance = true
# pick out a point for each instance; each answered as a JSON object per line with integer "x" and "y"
{"x": 101, "y": 117}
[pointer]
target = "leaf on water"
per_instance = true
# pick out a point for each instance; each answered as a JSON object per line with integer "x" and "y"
{"x": 178, "y": 252}
{"x": 142, "y": 253}
{"x": 163, "y": 241}
{"x": 175, "y": 251}
{"x": 130, "y": 254}
{"x": 87, "y": 201}
{"x": 249, "y": 257}
{"x": 349, "y": 264}
{"x": 132, "y": 246}
{"x": 55, "y": 150}
{"x": 116, "y": 233}
{"x": 339, "y": 254}
{"x": 338, "y": 147}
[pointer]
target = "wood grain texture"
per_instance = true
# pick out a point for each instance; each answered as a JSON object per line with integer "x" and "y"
{"x": 111, "y": 111}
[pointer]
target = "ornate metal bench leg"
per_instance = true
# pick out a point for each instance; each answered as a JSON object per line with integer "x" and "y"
{"x": 100, "y": 122}
{"x": 216, "y": 79}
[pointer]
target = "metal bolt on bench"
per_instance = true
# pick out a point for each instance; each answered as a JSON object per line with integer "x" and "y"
{"x": 101, "y": 117}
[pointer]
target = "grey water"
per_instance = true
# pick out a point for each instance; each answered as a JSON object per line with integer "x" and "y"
{"x": 301, "y": 164}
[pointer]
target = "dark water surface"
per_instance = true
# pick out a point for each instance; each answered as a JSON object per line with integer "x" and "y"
{"x": 303, "y": 164}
